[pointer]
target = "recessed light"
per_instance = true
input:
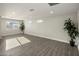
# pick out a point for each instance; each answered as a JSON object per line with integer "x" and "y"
{"x": 39, "y": 21}
{"x": 30, "y": 22}
{"x": 51, "y": 12}
{"x": 13, "y": 13}
{"x": 2, "y": 16}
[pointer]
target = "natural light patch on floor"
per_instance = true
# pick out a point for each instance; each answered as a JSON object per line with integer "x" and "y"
{"x": 14, "y": 42}
{"x": 23, "y": 40}
{"x": 11, "y": 43}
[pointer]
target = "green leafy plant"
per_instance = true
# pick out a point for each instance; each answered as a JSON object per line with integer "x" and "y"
{"x": 72, "y": 30}
{"x": 22, "y": 27}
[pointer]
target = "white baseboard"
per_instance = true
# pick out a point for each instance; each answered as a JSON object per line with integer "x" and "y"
{"x": 49, "y": 38}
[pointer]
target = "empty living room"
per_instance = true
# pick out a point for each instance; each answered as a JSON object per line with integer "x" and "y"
{"x": 39, "y": 29}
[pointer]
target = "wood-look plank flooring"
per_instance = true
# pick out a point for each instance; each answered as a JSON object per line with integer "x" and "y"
{"x": 38, "y": 47}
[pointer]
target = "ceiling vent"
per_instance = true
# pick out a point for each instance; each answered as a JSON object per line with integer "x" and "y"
{"x": 52, "y": 4}
{"x": 31, "y": 10}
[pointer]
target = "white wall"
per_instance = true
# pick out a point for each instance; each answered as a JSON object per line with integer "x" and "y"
{"x": 4, "y": 30}
{"x": 78, "y": 18}
{"x": 77, "y": 41}
{"x": 0, "y": 29}
{"x": 51, "y": 28}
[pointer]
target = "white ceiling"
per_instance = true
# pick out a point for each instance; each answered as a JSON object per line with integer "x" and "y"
{"x": 21, "y": 10}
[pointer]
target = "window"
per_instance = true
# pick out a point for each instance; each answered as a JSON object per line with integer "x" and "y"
{"x": 12, "y": 24}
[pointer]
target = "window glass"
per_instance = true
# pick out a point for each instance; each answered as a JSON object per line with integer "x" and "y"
{"x": 12, "y": 24}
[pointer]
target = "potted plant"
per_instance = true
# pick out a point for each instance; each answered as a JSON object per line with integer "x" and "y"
{"x": 72, "y": 31}
{"x": 22, "y": 27}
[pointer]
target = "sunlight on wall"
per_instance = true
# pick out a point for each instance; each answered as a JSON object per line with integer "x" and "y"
{"x": 15, "y": 42}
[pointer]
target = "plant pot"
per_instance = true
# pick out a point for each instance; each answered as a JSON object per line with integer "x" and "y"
{"x": 72, "y": 43}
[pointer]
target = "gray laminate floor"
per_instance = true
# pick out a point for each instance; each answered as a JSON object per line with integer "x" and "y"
{"x": 38, "y": 47}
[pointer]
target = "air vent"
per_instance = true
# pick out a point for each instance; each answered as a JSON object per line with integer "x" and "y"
{"x": 31, "y": 10}
{"x": 52, "y": 4}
